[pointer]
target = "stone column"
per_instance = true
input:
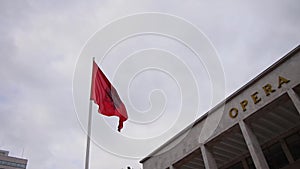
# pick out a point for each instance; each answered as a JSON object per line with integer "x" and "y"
{"x": 171, "y": 167}
{"x": 208, "y": 158}
{"x": 253, "y": 146}
{"x": 295, "y": 99}
{"x": 286, "y": 151}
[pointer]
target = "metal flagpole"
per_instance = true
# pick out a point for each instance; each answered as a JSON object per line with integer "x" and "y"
{"x": 88, "y": 138}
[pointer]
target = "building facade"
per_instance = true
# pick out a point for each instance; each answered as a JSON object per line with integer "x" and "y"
{"x": 8, "y": 162}
{"x": 258, "y": 126}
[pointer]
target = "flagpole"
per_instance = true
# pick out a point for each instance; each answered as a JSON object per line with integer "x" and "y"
{"x": 88, "y": 138}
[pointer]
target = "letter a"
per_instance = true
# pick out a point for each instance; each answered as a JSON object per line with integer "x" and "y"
{"x": 281, "y": 81}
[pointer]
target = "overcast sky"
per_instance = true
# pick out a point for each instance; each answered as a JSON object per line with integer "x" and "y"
{"x": 41, "y": 41}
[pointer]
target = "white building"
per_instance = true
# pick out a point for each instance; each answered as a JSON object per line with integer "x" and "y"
{"x": 258, "y": 126}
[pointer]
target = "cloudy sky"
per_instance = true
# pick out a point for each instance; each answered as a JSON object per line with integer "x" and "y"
{"x": 41, "y": 41}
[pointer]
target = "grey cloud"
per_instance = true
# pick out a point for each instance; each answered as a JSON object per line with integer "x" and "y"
{"x": 40, "y": 41}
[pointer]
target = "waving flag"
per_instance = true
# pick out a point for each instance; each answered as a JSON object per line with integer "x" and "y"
{"x": 106, "y": 97}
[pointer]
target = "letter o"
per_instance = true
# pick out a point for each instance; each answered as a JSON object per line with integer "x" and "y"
{"x": 233, "y": 113}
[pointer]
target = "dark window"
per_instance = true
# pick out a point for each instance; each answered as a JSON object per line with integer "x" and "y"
{"x": 293, "y": 143}
{"x": 275, "y": 156}
{"x": 238, "y": 165}
{"x": 12, "y": 164}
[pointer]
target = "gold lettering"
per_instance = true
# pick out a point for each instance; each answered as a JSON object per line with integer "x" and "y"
{"x": 268, "y": 89}
{"x": 244, "y": 103}
{"x": 255, "y": 98}
{"x": 281, "y": 81}
{"x": 233, "y": 113}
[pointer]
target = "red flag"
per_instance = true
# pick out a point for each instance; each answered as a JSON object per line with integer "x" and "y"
{"x": 106, "y": 97}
